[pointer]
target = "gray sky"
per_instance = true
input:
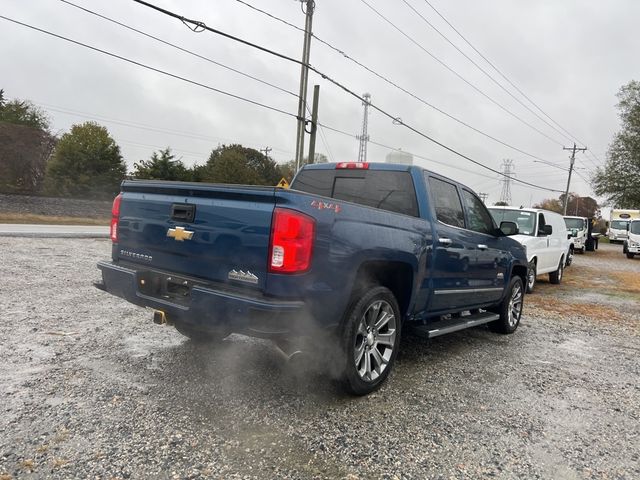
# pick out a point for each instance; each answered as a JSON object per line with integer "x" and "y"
{"x": 570, "y": 57}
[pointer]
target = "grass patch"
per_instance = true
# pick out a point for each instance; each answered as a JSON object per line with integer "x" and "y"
{"x": 51, "y": 220}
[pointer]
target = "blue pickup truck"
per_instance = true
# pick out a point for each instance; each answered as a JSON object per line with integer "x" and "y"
{"x": 337, "y": 265}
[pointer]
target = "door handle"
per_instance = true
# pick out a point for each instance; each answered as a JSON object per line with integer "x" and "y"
{"x": 483, "y": 247}
{"x": 444, "y": 241}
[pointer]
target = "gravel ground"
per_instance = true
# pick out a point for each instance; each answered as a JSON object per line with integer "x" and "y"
{"x": 91, "y": 388}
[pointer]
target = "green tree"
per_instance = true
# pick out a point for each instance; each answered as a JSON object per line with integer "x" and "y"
{"x": 552, "y": 204}
{"x": 162, "y": 166}
{"x": 239, "y": 165}
{"x": 25, "y": 146}
{"x": 581, "y": 206}
{"x": 619, "y": 180}
{"x": 86, "y": 163}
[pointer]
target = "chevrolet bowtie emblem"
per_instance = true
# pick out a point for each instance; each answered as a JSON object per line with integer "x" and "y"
{"x": 179, "y": 234}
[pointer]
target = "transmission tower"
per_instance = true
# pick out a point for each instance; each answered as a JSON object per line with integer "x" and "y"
{"x": 508, "y": 173}
{"x": 364, "y": 137}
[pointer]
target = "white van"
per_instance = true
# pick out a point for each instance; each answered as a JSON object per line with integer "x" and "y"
{"x": 544, "y": 234}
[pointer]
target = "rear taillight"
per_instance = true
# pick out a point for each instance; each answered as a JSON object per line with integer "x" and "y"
{"x": 115, "y": 216}
{"x": 291, "y": 245}
{"x": 352, "y": 165}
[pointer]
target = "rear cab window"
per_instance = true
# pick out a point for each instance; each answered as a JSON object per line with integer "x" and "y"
{"x": 384, "y": 189}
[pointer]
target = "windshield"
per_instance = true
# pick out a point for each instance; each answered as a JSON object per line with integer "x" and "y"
{"x": 526, "y": 220}
{"x": 619, "y": 224}
{"x": 635, "y": 228}
{"x": 574, "y": 223}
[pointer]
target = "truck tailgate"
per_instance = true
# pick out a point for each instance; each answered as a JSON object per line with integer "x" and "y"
{"x": 219, "y": 233}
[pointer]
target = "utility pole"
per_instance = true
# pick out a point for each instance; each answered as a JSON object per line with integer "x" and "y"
{"x": 266, "y": 151}
{"x": 314, "y": 124}
{"x": 483, "y": 197}
{"x": 304, "y": 77}
{"x": 573, "y": 149}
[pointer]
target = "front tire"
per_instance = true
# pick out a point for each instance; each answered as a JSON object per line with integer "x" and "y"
{"x": 531, "y": 276}
{"x": 370, "y": 341}
{"x": 630, "y": 255}
{"x": 569, "y": 257}
{"x": 556, "y": 277}
{"x": 510, "y": 310}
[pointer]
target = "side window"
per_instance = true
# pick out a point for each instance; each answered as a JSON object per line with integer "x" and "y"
{"x": 446, "y": 202}
{"x": 478, "y": 216}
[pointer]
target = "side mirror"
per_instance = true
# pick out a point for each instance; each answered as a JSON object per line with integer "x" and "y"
{"x": 606, "y": 224}
{"x": 628, "y": 225}
{"x": 547, "y": 230}
{"x": 509, "y": 228}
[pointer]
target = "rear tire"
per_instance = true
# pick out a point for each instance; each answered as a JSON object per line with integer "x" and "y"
{"x": 510, "y": 310}
{"x": 201, "y": 335}
{"x": 556, "y": 277}
{"x": 370, "y": 340}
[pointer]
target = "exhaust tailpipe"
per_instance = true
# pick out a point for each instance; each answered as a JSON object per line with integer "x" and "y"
{"x": 159, "y": 317}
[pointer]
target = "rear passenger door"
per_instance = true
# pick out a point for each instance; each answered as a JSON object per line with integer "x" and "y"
{"x": 454, "y": 256}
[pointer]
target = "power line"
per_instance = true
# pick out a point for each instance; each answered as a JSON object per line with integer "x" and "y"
{"x": 495, "y": 102}
{"x": 177, "y": 47}
{"x": 373, "y": 142}
{"x": 397, "y": 86}
{"x": 141, "y": 126}
{"x": 190, "y": 52}
{"x": 500, "y": 72}
{"x": 199, "y": 26}
{"x": 157, "y": 70}
{"x": 487, "y": 74}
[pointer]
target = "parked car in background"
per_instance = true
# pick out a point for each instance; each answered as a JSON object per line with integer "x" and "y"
{"x": 632, "y": 243}
{"x": 544, "y": 234}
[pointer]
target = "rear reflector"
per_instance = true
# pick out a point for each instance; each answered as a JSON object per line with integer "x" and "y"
{"x": 115, "y": 217}
{"x": 291, "y": 245}
{"x": 352, "y": 165}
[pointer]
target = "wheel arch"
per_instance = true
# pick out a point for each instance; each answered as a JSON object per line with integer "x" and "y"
{"x": 520, "y": 271}
{"x": 396, "y": 276}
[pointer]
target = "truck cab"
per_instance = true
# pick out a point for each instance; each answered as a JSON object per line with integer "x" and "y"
{"x": 578, "y": 229}
{"x": 619, "y": 224}
{"x": 632, "y": 243}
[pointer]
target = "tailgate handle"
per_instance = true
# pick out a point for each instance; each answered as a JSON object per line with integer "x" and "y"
{"x": 183, "y": 212}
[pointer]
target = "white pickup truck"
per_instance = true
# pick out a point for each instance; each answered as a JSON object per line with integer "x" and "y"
{"x": 544, "y": 234}
{"x": 632, "y": 243}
